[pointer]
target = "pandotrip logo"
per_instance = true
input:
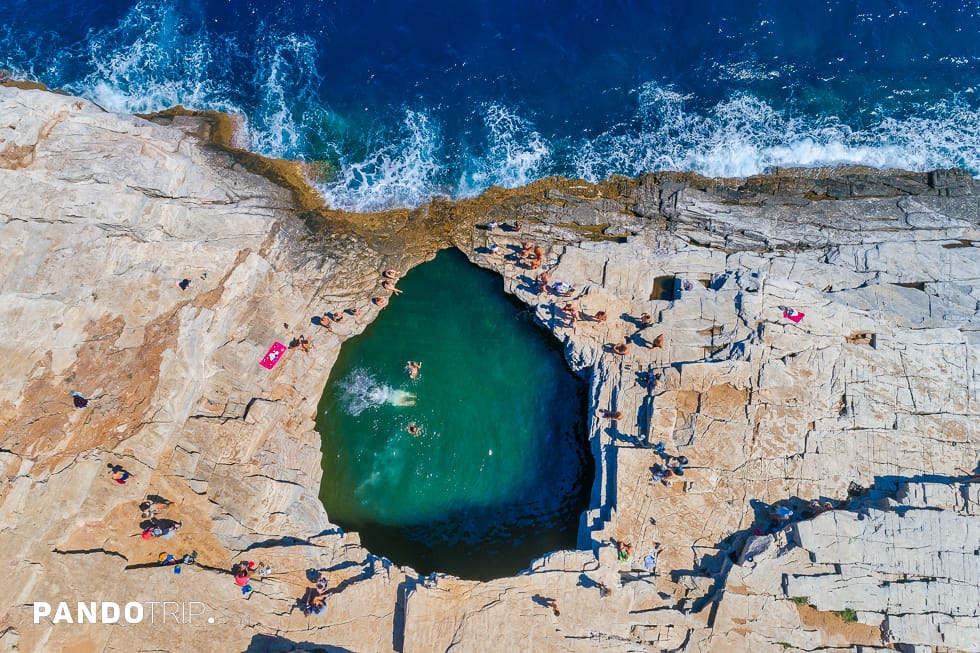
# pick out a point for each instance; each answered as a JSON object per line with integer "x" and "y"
{"x": 134, "y": 612}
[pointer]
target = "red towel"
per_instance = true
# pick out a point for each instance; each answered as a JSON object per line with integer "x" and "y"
{"x": 793, "y": 315}
{"x": 273, "y": 355}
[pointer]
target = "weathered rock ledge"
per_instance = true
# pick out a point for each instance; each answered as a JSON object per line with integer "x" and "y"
{"x": 101, "y": 214}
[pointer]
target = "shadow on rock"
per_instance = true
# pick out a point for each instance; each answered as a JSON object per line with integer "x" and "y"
{"x": 275, "y": 644}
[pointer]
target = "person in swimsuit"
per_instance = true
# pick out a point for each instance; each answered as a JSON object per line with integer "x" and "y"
{"x": 413, "y": 369}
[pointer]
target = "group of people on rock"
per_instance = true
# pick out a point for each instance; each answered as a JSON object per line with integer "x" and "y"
{"x": 329, "y": 319}
{"x": 390, "y": 278}
{"x": 670, "y": 469}
{"x": 530, "y": 255}
{"x": 302, "y": 342}
{"x": 153, "y": 525}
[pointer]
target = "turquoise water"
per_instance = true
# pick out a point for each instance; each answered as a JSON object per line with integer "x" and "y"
{"x": 500, "y": 470}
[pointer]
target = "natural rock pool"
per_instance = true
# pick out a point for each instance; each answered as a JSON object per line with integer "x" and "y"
{"x": 500, "y": 470}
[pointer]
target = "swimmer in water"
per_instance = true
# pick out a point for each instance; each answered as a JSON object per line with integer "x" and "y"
{"x": 413, "y": 369}
{"x": 400, "y": 398}
{"x": 413, "y": 429}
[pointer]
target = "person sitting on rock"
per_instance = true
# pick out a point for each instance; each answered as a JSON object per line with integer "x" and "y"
{"x": 78, "y": 399}
{"x": 624, "y": 551}
{"x": 379, "y": 301}
{"x": 780, "y": 515}
{"x": 543, "y": 282}
{"x": 391, "y": 274}
{"x": 390, "y": 286}
{"x": 119, "y": 475}
{"x": 646, "y": 320}
{"x": 572, "y": 311}
{"x": 241, "y": 575}
{"x": 318, "y": 602}
{"x": 600, "y": 316}
{"x": 169, "y": 531}
{"x": 657, "y": 473}
{"x": 621, "y": 348}
{"x": 150, "y": 509}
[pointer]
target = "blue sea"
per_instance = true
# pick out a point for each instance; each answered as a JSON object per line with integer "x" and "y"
{"x": 415, "y": 99}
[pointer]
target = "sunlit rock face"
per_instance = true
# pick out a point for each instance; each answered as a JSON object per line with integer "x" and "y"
{"x": 102, "y": 216}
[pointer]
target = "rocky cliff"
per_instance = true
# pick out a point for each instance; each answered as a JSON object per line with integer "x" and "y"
{"x": 102, "y": 216}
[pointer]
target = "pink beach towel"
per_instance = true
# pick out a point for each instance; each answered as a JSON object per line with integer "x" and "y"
{"x": 793, "y": 315}
{"x": 273, "y": 355}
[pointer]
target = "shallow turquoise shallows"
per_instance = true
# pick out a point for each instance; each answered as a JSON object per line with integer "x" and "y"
{"x": 500, "y": 469}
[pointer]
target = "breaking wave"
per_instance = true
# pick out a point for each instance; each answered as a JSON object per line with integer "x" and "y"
{"x": 406, "y": 152}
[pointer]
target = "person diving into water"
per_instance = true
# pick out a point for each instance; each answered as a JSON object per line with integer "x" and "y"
{"x": 401, "y": 398}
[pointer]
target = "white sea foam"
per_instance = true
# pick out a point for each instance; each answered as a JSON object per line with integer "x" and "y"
{"x": 515, "y": 153}
{"x": 154, "y": 59}
{"x": 287, "y": 66}
{"x": 150, "y": 61}
{"x": 360, "y": 390}
{"x": 400, "y": 169}
{"x": 744, "y": 135}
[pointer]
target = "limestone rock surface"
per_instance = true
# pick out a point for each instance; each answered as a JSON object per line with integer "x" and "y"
{"x": 101, "y": 215}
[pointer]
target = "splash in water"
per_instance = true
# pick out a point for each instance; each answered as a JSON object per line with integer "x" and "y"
{"x": 361, "y": 391}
